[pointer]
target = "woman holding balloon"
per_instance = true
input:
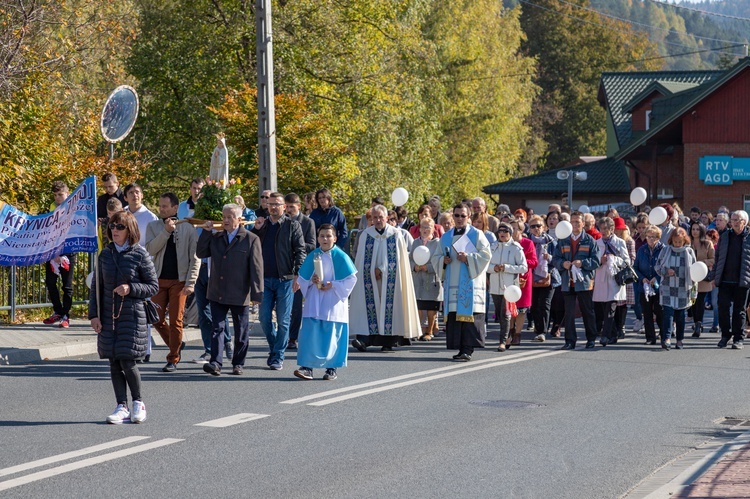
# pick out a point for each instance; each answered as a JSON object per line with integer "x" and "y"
{"x": 427, "y": 286}
{"x": 674, "y": 267}
{"x": 507, "y": 263}
{"x": 704, "y": 252}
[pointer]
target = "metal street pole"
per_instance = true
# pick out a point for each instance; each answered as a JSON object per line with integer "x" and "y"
{"x": 571, "y": 174}
{"x": 266, "y": 110}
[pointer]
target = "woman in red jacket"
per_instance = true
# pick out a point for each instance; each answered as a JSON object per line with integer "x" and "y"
{"x": 529, "y": 251}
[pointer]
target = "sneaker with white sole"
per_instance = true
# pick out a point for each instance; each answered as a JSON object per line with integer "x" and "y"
{"x": 52, "y": 319}
{"x": 203, "y": 359}
{"x": 304, "y": 373}
{"x": 139, "y": 412}
{"x": 539, "y": 337}
{"x": 120, "y": 416}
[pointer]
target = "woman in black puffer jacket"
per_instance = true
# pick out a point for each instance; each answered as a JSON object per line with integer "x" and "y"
{"x": 126, "y": 277}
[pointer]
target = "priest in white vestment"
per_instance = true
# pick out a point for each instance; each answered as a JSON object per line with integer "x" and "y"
{"x": 462, "y": 264}
{"x": 383, "y": 308}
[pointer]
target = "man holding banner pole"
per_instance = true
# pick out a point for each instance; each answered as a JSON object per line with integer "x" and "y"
{"x": 61, "y": 266}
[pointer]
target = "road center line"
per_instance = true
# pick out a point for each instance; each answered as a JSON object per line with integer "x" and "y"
{"x": 432, "y": 378}
{"x": 68, "y": 455}
{"x": 66, "y": 468}
{"x": 243, "y": 417}
{"x": 404, "y": 376}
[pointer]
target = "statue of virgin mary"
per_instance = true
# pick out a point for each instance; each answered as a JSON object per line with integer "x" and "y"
{"x": 220, "y": 161}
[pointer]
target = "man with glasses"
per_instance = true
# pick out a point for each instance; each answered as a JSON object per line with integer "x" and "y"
{"x": 328, "y": 213}
{"x": 383, "y": 306}
{"x": 577, "y": 258}
{"x": 283, "y": 246}
{"x": 732, "y": 277}
{"x": 462, "y": 265}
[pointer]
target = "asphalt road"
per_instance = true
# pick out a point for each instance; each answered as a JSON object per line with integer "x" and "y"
{"x": 532, "y": 422}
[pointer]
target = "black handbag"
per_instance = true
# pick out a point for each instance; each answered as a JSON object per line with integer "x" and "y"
{"x": 152, "y": 312}
{"x": 625, "y": 275}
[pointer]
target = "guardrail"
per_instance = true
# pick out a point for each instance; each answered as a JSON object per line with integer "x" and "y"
{"x": 24, "y": 288}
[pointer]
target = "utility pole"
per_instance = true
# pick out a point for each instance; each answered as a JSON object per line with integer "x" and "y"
{"x": 266, "y": 110}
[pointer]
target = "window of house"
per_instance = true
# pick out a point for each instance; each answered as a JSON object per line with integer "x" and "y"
{"x": 746, "y": 203}
{"x": 648, "y": 119}
{"x": 665, "y": 193}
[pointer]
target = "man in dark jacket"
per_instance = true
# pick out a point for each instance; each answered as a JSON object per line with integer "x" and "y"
{"x": 283, "y": 253}
{"x": 111, "y": 190}
{"x": 732, "y": 277}
{"x": 293, "y": 206}
{"x": 236, "y": 280}
{"x": 578, "y": 250}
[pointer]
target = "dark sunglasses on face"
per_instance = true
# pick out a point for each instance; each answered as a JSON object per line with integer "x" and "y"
{"x": 535, "y": 226}
{"x": 504, "y": 231}
{"x": 117, "y": 226}
{"x": 459, "y": 216}
{"x": 264, "y": 197}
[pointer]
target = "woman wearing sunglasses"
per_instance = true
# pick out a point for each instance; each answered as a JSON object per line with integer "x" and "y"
{"x": 125, "y": 278}
{"x": 545, "y": 277}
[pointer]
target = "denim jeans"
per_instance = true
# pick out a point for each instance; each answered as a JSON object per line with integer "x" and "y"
{"x": 637, "y": 307}
{"x": 276, "y": 293}
{"x": 668, "y": 314}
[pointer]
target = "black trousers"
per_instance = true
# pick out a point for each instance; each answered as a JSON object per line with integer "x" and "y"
{"x": 651, "y": 308}
{"x": 125, "y": 374}
{"x": 541, "y": 303}
{"x": 61, "y": 307}
{"x": 241, "y": 321}
{"x": 699, "y": 307}
{"x": 296, "y": 322}
{"x": 732, "y": 323}
{"x": 557, "y": 311}
{"x": 605, "y": 318}
{"x": 586, "y": 304}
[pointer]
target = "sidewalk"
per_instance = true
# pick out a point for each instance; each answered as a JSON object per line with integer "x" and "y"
{"x": 730, "y": 477}
{"x": 32, "y": 342}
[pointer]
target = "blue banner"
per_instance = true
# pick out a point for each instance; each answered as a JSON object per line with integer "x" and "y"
{"x": 32, "y": 239}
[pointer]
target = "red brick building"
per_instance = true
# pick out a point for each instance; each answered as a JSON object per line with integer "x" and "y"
{"x": 676, "y": 123}
{"x": 660, "y": 125}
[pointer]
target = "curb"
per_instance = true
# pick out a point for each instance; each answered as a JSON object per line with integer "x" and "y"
{"x": 56, "y": 351}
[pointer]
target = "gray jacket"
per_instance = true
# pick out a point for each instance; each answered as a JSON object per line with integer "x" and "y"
{"x": 236, "y": 269}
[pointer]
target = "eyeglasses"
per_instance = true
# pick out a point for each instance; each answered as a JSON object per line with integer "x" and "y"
{"x": 459, "y": 216}
{"x": 264, "y": 197}
{"x": 504, "y": 231}
{"x": 535, "y": 226}
{"x": 117, "y": 226}
{"x": 391, "y": 219}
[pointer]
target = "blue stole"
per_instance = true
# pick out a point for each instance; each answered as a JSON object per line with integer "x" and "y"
{"x": 343, "y": 266}
{"x": 465, "y": 295}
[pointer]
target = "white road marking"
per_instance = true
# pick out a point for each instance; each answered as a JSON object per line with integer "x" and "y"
{"x": 432, "y": 378}
{"x": 243, "y": 417}
{"x": 66, "y": 468}
{"x": 405, "y": 376}
{"x": 68, "y": 455}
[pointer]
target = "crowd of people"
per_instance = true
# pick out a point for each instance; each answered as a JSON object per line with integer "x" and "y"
{"x": 409, "y": 280}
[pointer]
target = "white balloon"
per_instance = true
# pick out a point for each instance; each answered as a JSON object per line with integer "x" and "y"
{"x": 584, "y": 209}
{"x": 512, "y": 293}
{"x": 638, "y": 196}
{"x": 657, "y": 216}
{"x": 563, "y": 229}
{"x": 89, "y": 279}
{"x": 421, "y": 255}
{"x": 399, "y": 196}
{"x": 698, "y": 271}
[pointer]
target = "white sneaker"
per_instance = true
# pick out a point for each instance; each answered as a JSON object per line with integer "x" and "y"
{"x": 203, "y": 359}
{"x": 120, "y": 416}
{"x": 638, "y": 326}
{"x": 139, "y": 412}
{"x": 539, "y": 337}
